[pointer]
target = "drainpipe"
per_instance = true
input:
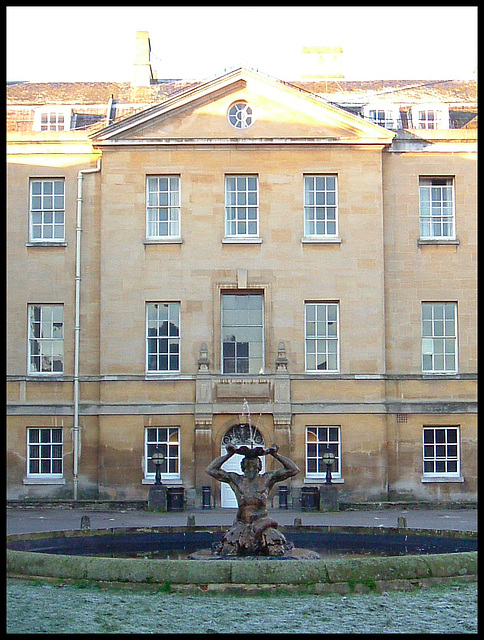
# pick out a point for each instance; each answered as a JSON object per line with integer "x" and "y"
{"x": 77, "y": 325}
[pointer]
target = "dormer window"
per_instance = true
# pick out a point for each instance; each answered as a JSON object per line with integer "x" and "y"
{"x": 383, "y": 115}
{"x": 430, "y": 116}
{"x": 52, "y": 119}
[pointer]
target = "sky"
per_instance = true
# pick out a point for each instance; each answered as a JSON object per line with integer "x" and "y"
{"x": 92, "y": 44}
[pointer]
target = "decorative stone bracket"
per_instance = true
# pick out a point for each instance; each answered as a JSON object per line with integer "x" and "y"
{"x": 274, "y": 390}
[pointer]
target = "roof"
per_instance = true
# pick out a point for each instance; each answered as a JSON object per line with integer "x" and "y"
{"x": 89, "y": 100}
{"x": 88, "y": 93}
{"x": 399, "y": 91}
{"x": 38, "y": 93}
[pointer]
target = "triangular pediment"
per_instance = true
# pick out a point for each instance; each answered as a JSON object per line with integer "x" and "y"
{"x": 278, "y": 112}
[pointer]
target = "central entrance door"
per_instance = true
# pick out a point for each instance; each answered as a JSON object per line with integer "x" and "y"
{"x": 238, "y": 435}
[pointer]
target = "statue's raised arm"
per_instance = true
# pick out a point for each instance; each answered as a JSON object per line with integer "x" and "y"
{"x": 214, "y": 468}
{"x": 289, "y": 469}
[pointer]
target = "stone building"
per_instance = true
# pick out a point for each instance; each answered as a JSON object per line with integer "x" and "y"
{"x": 242, "y": 259}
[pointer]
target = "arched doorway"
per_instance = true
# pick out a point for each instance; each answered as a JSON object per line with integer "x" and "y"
{"x": 238, "y": 435}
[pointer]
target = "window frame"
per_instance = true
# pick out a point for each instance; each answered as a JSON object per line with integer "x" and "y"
{"x": 440, "y": 116}
{"x": 445, "y": 444}
{"x": 313, "y": 219}
{"x": 65, "y": 112}
{"x": 173, "y": 211}
{"x": 236, "y": 206}
{"x": 430, "y": 338}
{"x": 172, "y": 339}
{"x": 41, "y": 340}
{"x": 426, "y": 186}
{"x": 50, "y": 443}
{"x": 46, "y": 212}
{"x": 240, "y": 119}
{"x": 391, "y": 115}
{"x": 224, "y": 325}
{"x": 321, "y": 444}
{"x": 317, "y": 304}
{"x": 150, "y": 444}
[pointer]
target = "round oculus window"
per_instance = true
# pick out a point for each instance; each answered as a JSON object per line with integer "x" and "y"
{"x": 240, "y": 115}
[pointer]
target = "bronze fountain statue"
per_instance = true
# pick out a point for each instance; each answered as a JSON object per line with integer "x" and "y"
{"x": 253, "y": 531}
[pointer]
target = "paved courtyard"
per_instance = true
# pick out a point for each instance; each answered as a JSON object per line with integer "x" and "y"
{"x": 32, "y": 520}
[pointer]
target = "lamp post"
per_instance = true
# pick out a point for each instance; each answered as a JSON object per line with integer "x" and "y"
{"x": 328, "y": 459}
{"x": 158, "y": 458}
{"x": 157, "y": 493}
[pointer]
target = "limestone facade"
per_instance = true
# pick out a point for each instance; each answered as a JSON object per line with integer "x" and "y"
{"x": 377, "y": 407}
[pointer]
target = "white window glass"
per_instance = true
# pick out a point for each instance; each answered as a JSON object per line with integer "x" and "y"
{"x": 241, "y": 206}
{"x": 242, "y": 333}
{"x": 439, "y": 337}
{"x": 320, "y": 206}
{"x": 46, "y": 338}
{"x": 441, "y": 451}
{"x": 47, "y": 210}
{"x": 163, "y": 336}
{"x": 318, "y": 441}
{"x": 437, "y": 219}
{"x": 44, "y": 452}
{"x": 322, "y": 336}
{"x": 166, "y": 440}
{"x": 163, "y": 206}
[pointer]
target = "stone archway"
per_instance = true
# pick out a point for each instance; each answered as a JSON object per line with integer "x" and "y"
{"x": 238, "y": 435}
{"x": 243, "y": 434}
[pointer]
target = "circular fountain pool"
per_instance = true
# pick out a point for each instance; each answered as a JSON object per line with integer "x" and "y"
{"x": 159, "y": 555}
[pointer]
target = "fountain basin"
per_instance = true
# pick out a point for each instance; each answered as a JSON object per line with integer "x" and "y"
{"x": 429, "y": 556}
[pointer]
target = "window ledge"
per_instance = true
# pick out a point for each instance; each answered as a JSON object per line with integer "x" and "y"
{"x": 439, "y": 373}
{"x": 230, "y": 240}
{"x": 43, "y": 481}
{"x": 46, "y": 244}
{"x": 321, "y": 240}
{"x": 162, "y": 375}
{"x": 439, "y": 241}
{"x": 53, "y": 376}
{"x": 165, "y": 483}
{"x": 442, "y": 479}
{"x": 323, "y": 372}
{"x": 322, "y": 480}
{"x": 167, "y": 240}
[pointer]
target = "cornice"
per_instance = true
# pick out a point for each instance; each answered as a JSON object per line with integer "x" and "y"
{"x": 146, "y": 142}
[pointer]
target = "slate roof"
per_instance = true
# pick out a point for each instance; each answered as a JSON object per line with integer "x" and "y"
{"x": 399, "y": 91}
{"x": 38, "y": 93}
{"x": 89, "y": 100}
{"x": 84, "y": 93}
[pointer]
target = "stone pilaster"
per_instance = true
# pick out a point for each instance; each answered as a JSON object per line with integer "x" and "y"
{"x": 282, "y": 402}
{"x": 203, "y": 423}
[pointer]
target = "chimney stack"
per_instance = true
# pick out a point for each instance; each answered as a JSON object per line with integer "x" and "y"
{"x": 143, "y": 73}
{"x": 322, "y": 63}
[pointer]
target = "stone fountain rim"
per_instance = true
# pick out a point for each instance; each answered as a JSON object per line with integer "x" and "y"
{"x": 313, "y": 576}
{"x": 345, "y": 529}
